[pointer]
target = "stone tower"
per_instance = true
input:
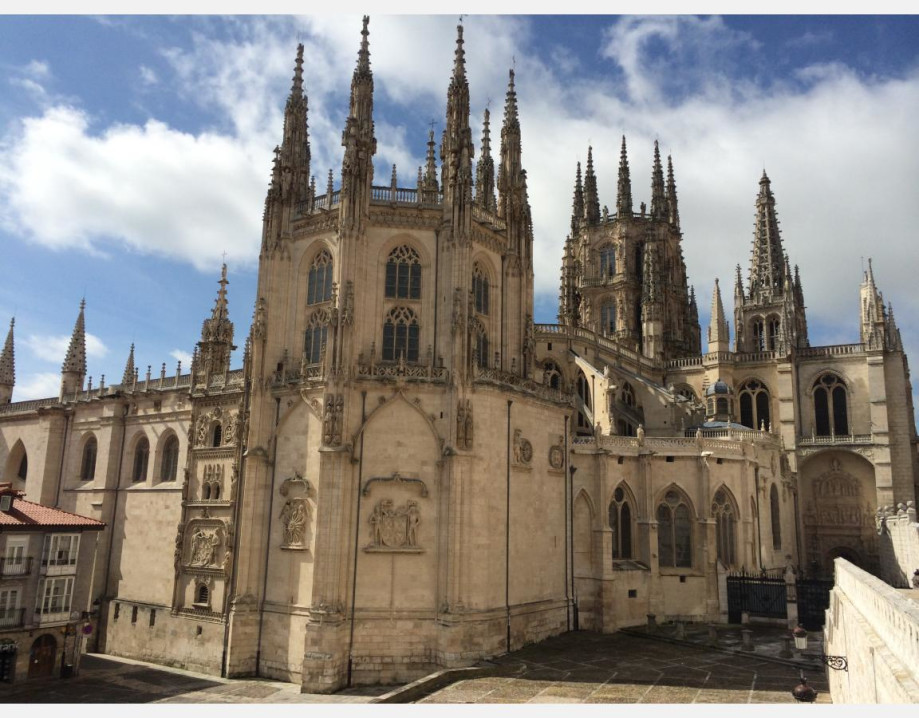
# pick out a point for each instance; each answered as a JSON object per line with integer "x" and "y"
{"x": 623, "y": 275}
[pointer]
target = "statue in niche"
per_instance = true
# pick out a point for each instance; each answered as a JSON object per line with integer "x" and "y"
{"x": 464, "y": 426}
{"x": 201, "y": 430}
{"x": 229, "y": 432}
{"x": 293, "y": 517}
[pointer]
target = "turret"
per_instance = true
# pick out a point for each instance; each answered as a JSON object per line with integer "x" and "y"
{"x": 8, "y": 367}
{"x": 73, "y": 370}
{"x": 216, "y": 338}
{"x": 872, "y": 320}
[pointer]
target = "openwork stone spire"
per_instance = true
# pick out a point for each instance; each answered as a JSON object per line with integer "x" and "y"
{"x": 591, "y": 198}
{"x": 673, "y": 212}
{"x": 658, "y": 196}
{"x": 7, "y": 366}
{"x": 485, "y": 170}
{"x": 718, "y": 324}
{"x": 430, "y": 169}
{"x": 456, "y": 149}
{"x": 768, "y": 257}
{"x": 294, "y": 155}
{"x": 359, "y": 142}
{"x": 577, "y": 205}
{"x": 216, "y": 334}
{"x": 75, "y": 359}
{"x": 624, "y": 192}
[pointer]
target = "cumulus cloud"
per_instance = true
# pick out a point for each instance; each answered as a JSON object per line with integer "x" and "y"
{"x": 182, "y": 356}
{"x": 148, "y": 75}
{"x": 53, "y": 348}
{"x": 37, "y": 386}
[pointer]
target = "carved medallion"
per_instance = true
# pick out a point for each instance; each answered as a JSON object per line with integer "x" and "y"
{"x": 394, "y": 529}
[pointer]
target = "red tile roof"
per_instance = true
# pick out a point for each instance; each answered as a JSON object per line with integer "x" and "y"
{"x": 26, "y": 514}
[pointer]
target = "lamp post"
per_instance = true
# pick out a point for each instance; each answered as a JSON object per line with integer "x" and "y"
{"x": 837, "y": 663}
{"x": 802, "y": 692}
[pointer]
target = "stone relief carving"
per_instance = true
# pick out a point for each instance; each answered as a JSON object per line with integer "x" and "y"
{"x": 204, "y": 543}
{"x": 557, "y": 454}
{"x": 459, "y": 318}
{"x": 523, "y": 449}
{"x": 394, "y": 529}
{"x": 259, "y": 323}
{"x": 464, "y": 425}
{"x": 293, "y": 517}
{"x": 332, "y": 419}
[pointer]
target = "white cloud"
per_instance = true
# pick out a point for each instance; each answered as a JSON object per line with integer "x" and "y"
{"x": 37, "y": 386}
{"x": 53, "y": 348}
{"x": 182, "y": 356}
{"x": 148, "y": 75}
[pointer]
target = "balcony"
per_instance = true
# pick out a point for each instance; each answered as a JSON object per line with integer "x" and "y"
{"x": 11, "y": 617}
{"x": 15, "y": 567}
{"x": 52, "y": 615}
{"x": 835, "y": 440}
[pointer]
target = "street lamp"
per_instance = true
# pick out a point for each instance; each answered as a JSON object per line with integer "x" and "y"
{"x": 837, "y": 663}
{"x": 802, "y": 692}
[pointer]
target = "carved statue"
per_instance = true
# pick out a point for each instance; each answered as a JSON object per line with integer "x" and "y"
{"x": 293, "y": 516}
{"x": 204, "y": 547}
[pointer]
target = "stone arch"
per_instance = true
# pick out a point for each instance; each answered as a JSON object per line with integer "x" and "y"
{"x": 140, "y": 457}
{"x": 726, "y": 515}
{"x": 16, "y": 461}
{"x": 164, "y": 448}
{"x": 676, "y": 528}
{"x": 399, "y": 395}
{"x": 582, "y": 522}
{"x": 622, "y": 513}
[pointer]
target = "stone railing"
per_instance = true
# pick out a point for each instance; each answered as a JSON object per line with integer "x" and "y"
{"x": 672, "y": 444}
{"x": 482, "y": 216}
{"x": 507, "y": 379}
{"x": 683, "y": 362}
{"x": 401, "y": 370}
{"x": 582, "y": 334}
{"x": 834, "y": 440}
{"x": 19, "y": 407}
{"x": 891, "y": 616}
{"x": 898, "y": 535}
{"x": 831, "y": 351}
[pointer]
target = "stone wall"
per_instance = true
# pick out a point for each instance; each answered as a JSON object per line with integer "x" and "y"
{"x": 899, "y": 544}
{"x": 876, "y": 628}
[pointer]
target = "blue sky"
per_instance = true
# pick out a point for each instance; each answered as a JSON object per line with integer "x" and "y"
{"x": 135, "y": 151}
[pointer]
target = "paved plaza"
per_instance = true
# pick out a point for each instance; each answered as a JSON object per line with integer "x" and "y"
{"x": 579, "y": 667}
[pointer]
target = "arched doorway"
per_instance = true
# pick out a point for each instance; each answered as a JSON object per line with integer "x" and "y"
{"x": 850, "y": 555}
{"x": 41, "y": 657}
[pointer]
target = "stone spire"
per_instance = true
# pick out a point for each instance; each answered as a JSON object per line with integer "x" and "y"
{"x": 673, "y": 212}
{"x": 7, "y": 367}
{"x": 485, "y": 171}
{"x": 127, "y": 379}
{"x": 294, "y": 153}
{"x": 577, "y": 205}
{"x": 216, "y": 336}
{"x": 73, "y": 370}
{"x": 624, "y": 191}
{"x": 456, "y": 151}
{"x": 360, "y": 144}
{"x": 658, "y": 196}
{"x": 429, "y": 180}
{"x": 718, "y": 325}
{"x": 767, "y": 261}
{"x": 693, "y": 322}
{"x": 651, "y": 307}
{"x": 872, "y": 323}
{"x": 591, "y": 197}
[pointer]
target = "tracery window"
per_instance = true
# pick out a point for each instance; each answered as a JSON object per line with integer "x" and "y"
{"x": 758, "y": 331}
{"x": 608, "y": 319}
{"x": 584, "y": 427}
{"x": 674, "y": 531}
{"x": 725, "y": 527}
{"x": 607, "y": 260}
{"x": 620, "y": 523}
{"x": 552, "y": 375}
{"x": 88, "y": 464}
{"x": 169, "y": 464}
{"x": 754, "y": 404}
{"x": 141, "y": 458}
{"x": 776, "y": 518}
{"x": 315, "y": 338}
{"x": 319, "y": 283}
{"x": 403, "y": 274}
{"x": 627, "y": 395}
{"x": 772, "y": 329}
{"x": 400, "y": 335}
{"x": 830, "y": 411}
{"x": 480, "y": 289}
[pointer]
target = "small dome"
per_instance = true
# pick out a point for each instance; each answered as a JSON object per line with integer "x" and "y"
{"x": 719, "y": 387}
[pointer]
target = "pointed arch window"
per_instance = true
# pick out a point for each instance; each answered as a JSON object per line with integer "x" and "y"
{"x": 607, "y": 260}
{"x": 772, "y": 332}
{"x": 401, "y": 335}
{"x": 584, "y": 425}
{"x": 88, "y": 464}
{"x": 552, "y": 374}
{"x": 319, "y": 283}
{"x": 725, "y": 527}
{"x": 627, "y": 395}
{"x": 608, "y": 319}
{"x": 776, "y": 518}
{"x": 170, "y": 461}
{"x": 674, "y": 531}
{"x": 758, "y": 331}
{"x": 754, "y": 404}
{"x": 620, "y": 523}
{"x": 403, "y": 274}
{"x": 480, "y": 289}
{"x": 831, "y": 416}
{"x": 23, "y": 467}
{"x": 315, "y": 338}
{"x": 141, "y": 459}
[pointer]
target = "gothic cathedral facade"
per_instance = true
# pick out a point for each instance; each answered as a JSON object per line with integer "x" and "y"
{"x": 408, "y": 473}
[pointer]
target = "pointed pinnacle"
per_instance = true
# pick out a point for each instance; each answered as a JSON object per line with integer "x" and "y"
{"x": 128, "y": 376}
{"x": 75, "y": 359}
{"x": 8, "y": 359}
{"x": 296, "y": 89}
{"x": 459, "y": 60}
{"x": 363, "y": 55}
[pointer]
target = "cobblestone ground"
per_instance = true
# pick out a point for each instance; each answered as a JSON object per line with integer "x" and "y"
{"x": 110, "y": 680}
{"x": 589, "y": 668}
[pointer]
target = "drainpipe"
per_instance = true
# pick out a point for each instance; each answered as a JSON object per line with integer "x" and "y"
{"x": 357, "y": 526}
{"x": 507, "y": 535}
{"x": 567, "y": 534}
{"x": 274, "y": 464}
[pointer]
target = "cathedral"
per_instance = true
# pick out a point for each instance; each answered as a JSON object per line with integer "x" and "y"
{"x": 407, "y": 473}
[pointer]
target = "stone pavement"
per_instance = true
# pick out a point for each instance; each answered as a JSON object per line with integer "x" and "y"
{"x": 107, "y": 679}
{"x": 628, "y": 668}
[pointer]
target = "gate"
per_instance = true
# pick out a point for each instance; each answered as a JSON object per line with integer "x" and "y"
{"x": 813, "y": 600}
{"x": 757, "y": 594}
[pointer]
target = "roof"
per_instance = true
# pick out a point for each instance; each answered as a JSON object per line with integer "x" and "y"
{"x": 29, "y": 515}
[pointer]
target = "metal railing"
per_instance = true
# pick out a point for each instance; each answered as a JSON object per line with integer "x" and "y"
{"x": 20, "y": 566}
{"x": 11, "y": 617}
